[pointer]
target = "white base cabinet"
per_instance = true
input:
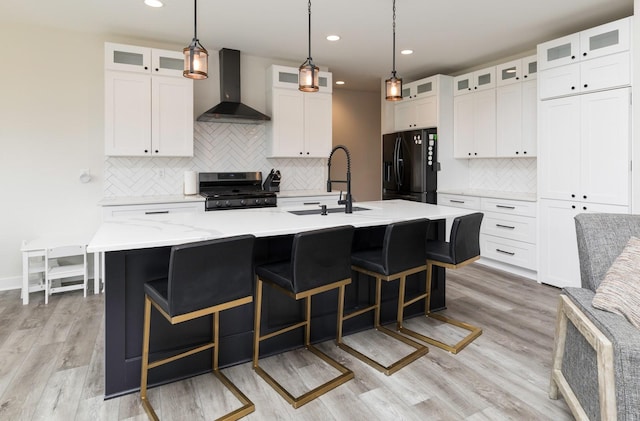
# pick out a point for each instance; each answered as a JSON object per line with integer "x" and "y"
{"x": 558, "y": 248}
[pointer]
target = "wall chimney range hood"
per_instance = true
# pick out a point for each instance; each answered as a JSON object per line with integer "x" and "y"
{"x": 230, "y": 109}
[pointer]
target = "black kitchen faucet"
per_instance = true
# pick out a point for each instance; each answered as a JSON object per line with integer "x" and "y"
{"x": 348, "y": 201}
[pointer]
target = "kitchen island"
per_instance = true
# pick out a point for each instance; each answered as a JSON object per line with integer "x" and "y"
{"x": 137, "y": 250}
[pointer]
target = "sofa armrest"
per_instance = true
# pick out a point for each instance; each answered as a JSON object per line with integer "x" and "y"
{"x": 625, "y": 339}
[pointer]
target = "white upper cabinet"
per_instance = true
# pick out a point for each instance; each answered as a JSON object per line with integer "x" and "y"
{"x": 475, "y": 81}
{"x": 420, "y": 105}
{"x": 148, "y": 104}
{"x": 131, "y": 58}
{"x": 301, "y": 122}
{"x": 591, "y": 60}
{"x": 516, "y": 71}
{"x": 602, "y": 40}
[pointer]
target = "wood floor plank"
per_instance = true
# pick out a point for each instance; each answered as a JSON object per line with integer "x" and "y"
{"x": 52, "y": 364}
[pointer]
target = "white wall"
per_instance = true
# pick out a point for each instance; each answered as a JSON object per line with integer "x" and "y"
{"x": 51, "y": 127}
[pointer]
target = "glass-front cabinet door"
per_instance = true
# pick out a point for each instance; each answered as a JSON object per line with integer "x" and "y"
{"x": 605, "y": 39}
{"x": 484, "y": 79}
{"x": 558, "y": 52}
{"x": 129, "y": 58}
{"x": 167, "y": 63}
{"x": 463, "y": 84}
{"x": 530, "y": 67}
{"x": 510, "y": 72}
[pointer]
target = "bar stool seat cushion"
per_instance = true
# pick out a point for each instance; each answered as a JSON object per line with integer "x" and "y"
{"x": 369, "y": 260}
{"x": 158, "y": 291}
{"x": 439, "y": 251}
{"x": 279, "y": 273}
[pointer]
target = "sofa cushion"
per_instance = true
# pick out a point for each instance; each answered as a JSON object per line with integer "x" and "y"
{"x": 619, "y": 291}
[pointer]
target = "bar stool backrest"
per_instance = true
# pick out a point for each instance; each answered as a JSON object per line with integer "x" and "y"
{"x": 464, "y": 242}
{"x": 208, "y": 273}
{"x": 404, "y": 245}
{"x": 321, "y": 257}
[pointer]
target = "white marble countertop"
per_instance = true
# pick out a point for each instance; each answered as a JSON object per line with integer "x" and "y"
{"x": 149, "y": 200}
{"x": 496, "y": 194}
{"x": 306, "y": 193}
{"x": 147, "y": 231}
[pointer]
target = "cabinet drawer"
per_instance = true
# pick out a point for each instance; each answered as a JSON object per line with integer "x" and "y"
{"x": 513, "y": 252}
{"x": 508, "y": 206}
{"x": 459, "y": 201}
{"x": 110, "y": 212}
{"x": 514, "y": 227}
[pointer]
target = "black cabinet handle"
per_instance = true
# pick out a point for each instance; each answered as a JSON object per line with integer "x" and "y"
{"x": 517, "y": 78}
{"x": 584, "y": 208}
{"x": 300, "y": 153}
{"x": 585, "y": 85}
{"x": 584, "y": 54}
{"x": 311, "y": 203}
{"x": 505, "y": 226}
{"x": 505, "y": 207}
{"x": 573, "y": 206}
{"x": 155, "y": 212}
{"x": 526, "y": 76}
{"x": 584, "y": 197}
{"x": 146, "y": 151}
{"x": 573, "y": 57}
{"x": 146, "y": 68}
{"x": 475, "y": 153}
{"x": 525, "y": 152}
{"x": 573, "y": 88}
{"x": 510, "y": 253}
{"x": 573, "y": 195}
{"x": 157, "y": 70}
{"x": 156, "y": 151}
{"x": 456, "y": 201}
{"x": 517, "y": 152}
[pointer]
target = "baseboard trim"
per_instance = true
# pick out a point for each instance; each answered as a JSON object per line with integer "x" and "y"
{"x": 12, "y": 282}
{"x": 516, "y": 270}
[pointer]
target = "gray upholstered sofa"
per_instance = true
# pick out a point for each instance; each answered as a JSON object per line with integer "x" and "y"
{"x": 596, "y": 363}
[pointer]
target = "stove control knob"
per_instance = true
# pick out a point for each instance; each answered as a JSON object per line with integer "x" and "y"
{"x": 227, "y": 203}
{"x": 218, "y": 203}
{"x": 258, "y": 201}
{"x": 242, "y": 202}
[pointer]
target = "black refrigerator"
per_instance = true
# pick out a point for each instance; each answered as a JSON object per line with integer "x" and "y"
{"x": 410, "y": 165}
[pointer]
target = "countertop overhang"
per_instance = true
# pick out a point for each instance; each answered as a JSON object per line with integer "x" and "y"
{"x": 129, "y": 233}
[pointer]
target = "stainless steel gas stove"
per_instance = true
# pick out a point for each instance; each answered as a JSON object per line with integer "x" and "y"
{"x": 234, "y": 190}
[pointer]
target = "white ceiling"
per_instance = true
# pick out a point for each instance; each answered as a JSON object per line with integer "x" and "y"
{"x": 447, "y": 35}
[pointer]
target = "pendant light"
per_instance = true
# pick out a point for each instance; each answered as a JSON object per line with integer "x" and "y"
{"x": 308, "y": 74}
{"x": 196, "y": 64}
{"x": 393, "y": 85}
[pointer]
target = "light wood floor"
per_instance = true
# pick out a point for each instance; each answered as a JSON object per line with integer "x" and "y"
{"x": 51, "y": 365}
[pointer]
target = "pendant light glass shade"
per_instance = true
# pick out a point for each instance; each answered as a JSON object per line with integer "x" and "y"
{"x": 196, "y": 57}
{"x": 393, "y": 85}
{"x": 393, "y": 88}
{"x": 308, "y": 73}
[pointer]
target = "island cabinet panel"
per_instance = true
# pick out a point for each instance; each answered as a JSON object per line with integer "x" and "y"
{"x": 128, "y": 270}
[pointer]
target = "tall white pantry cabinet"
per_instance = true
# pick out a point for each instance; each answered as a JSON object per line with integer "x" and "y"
{"x": 584, "y": 142}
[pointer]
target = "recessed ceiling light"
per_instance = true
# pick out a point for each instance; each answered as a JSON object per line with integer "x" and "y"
{"x": 406, "y": 52}
{"x": 153, "y": 3}
{"x": 339, "y": 82}
{"x": 333, "y": 37}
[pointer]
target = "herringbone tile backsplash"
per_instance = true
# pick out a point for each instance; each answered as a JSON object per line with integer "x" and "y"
{"x": 509, "y": 175}
{"x": 217, "y": 147}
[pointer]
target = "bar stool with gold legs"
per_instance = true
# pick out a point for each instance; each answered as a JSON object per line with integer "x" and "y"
{"x": 402, "y": 254}
{"x": 204, "y": 279}
{"x": 320, "y": 262}
{"x": 463, "y": 248}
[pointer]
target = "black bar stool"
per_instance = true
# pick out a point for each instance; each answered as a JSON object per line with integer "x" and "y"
{"x": 402, "y": 254}
{"x": 204, "y": 278}
{"x": 320, "y": 262}
{"x": 463, "y": 248}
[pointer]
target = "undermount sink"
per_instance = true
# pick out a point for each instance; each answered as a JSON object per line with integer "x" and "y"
{"x": 318, "y": 211}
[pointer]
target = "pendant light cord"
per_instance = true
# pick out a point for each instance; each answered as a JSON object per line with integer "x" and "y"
{"x": 195, "y": 19}
{"x": 394, "y": 38}
{"x": 310, "y": 31}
